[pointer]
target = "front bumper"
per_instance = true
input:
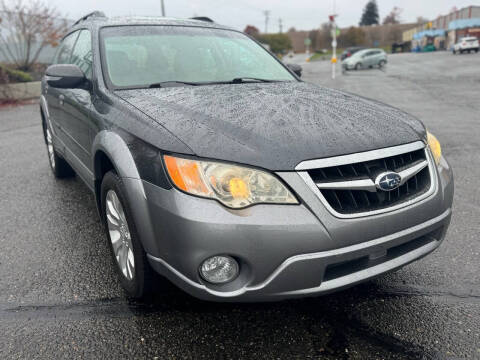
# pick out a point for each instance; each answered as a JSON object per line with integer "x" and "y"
{"x": 285, "y": 251}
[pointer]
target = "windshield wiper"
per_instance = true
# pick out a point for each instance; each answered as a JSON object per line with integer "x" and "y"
{"x": 240, "y": 80}
{"x": 172, "y": 84}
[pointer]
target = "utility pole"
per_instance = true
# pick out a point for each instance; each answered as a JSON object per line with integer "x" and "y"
{"x": 163, "y": 7}
{"x": 280, "y": 25}
{"x": 334, "y": 43}
{"x": 334, "y": 39}
{"x": 267, "y": 16}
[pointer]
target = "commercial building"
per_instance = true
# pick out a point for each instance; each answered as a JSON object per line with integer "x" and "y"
{"x": 445, "y": 30}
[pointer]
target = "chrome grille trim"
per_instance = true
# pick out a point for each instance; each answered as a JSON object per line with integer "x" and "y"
{"x": 364, "y": 184}
{"x": 359, "y": 157}
{"x": 369, "y": 184}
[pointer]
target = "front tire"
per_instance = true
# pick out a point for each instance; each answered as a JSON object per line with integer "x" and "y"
{"x": 58, "y": 165}
{"x": 358, "y": 66}
{"x": 381, "y": 64}
{"x": 128, "y": 255}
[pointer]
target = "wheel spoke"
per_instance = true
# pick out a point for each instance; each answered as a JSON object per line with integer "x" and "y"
{"x": 122, "y": 255}
{"x": 129, "y": 264}
{"x": 120, "y": 235}
{"x": 131, "y": 259}
{"x": 119, "y": 208}
{"x": 112, "y": 222}
{"x": 115, "y": 238}
{"x": 111, "y": 207}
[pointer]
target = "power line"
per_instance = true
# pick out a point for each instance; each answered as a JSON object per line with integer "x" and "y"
{"x": 267, "y": 16}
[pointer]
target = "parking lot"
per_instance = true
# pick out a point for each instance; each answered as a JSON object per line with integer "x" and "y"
{"x": 59, "y": 297}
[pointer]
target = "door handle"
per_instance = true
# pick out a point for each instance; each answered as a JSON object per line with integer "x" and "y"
{"x": 61, "y": 98}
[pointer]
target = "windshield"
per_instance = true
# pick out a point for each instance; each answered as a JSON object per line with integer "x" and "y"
{"x": 139, "y": 56}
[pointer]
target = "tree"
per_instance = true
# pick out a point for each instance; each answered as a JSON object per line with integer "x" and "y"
{"x": 25, "y": 30}
{"x": 252, "y": 31}
{"x": 354, "y": 36}
{"x": 393, "y": 17}
{"x": 370, "y": 14}
{"x": 325, "y": 38}
{"x": 313, "y": 35}
{"x": 421, "y": 20}
{"x": 279, "y": 43}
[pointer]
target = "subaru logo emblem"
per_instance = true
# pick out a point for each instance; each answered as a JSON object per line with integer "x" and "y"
{"x": 388, "y": 181}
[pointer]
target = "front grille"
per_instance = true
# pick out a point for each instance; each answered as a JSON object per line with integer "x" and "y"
{"x": 353, "y": 201}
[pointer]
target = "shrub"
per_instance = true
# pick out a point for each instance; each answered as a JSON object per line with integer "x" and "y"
{"x": 279, "y": 43}
{"x": 11, "y": 76}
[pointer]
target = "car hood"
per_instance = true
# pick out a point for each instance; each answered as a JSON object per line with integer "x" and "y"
{"x": 274, "y": 125}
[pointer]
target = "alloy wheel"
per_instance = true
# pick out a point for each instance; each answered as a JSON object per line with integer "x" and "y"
{"x": 120, "y": 235}
{"x": 51, "y": 151}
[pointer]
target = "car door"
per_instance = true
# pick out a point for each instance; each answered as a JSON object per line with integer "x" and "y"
{"x": 78, "y": 106}
{"x": 367, "y": 59}
{"x": 55, "y": 96}
{"x": 377, "y": 55}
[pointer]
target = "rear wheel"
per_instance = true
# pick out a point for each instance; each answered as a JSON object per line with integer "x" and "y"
{"x": 128, "y": 255}
{"x": 60, "y": 168}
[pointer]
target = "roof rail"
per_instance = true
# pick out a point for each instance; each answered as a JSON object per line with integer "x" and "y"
{"x": 89, "y": 15}
{"x": 202, "y": 18}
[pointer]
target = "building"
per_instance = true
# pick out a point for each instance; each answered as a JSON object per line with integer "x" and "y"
{"x": 462, "y": 28}
{"x": 469, "y": 12}
{"x": 445, "y": 30}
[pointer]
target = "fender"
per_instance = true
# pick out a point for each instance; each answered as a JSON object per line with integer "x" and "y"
{"x": 117, "y": 151}
{"x": 115, "y": 148}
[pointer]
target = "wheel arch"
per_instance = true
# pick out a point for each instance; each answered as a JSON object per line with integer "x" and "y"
{"x": 111, "y": 152}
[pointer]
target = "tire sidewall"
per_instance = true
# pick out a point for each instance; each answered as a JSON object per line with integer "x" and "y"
{"x": 136, "y": 287}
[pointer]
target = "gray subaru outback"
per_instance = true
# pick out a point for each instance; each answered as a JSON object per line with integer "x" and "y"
{"x": 214, "y": 165}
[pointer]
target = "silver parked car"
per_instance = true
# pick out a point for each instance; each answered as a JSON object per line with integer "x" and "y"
{"x": 364, "y": 59}
{"x": 216, "y": 166}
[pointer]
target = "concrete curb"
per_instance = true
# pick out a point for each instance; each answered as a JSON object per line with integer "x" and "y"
{"x": 20, "y": 91}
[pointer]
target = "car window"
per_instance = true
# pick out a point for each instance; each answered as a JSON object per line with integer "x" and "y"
{"x": 82, "y": 53}
{"x": 142, "y": 55}
{"x": 65, "y": 50}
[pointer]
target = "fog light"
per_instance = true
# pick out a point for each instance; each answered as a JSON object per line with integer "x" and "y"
{"x": 219, "y": 269}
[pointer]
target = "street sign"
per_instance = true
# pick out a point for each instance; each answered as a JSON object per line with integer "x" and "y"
{"x": 334, "y": 43}
{"x": 335, "y": 32}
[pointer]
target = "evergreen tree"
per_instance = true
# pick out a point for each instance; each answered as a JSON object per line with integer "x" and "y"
{"x": 370, "y": 14}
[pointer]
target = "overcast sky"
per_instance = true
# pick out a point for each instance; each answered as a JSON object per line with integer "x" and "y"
{"x": 301, "y": 14}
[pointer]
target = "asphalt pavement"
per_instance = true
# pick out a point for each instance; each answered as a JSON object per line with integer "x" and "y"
{"x": 59, "y": 297}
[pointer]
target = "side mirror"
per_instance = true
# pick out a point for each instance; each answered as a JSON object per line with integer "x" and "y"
{"x": 297, "y": 69}
{"x": 65, "y": 76}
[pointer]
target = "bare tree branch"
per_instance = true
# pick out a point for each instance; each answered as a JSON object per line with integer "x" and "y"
{"x": 26, "y": 28}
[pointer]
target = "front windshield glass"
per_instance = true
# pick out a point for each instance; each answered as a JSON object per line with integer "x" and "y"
{"x": 138, "y": 56}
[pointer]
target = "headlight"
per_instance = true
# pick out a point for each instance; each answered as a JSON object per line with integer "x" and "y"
{"x": 435, "y": 147}
{"x": 232, "y": 185}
